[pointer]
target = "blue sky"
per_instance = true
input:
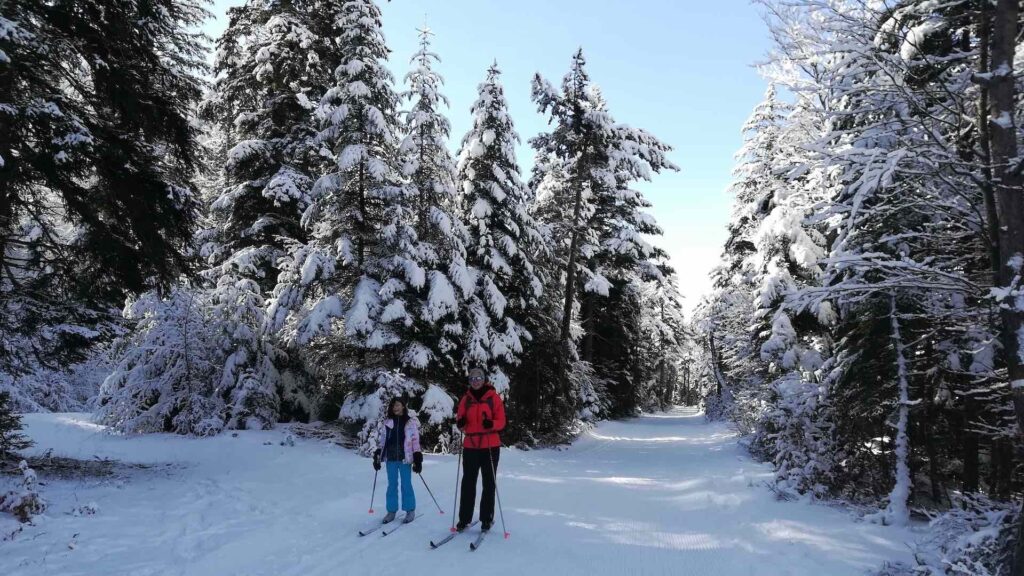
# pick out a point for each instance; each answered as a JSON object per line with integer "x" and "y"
{"x": 681, "y": 69}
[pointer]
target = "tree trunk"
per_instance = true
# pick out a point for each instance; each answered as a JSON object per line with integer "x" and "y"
{"x": 685, "y": 395}
{"x": 1006, "y": 180}
{"x": 928, "y": 438}
{"x": 363, "y": 231}
{"x": 424, "y": 196}
{"x": 984, "y": 31}
{"x": 6, "y": 225}
{"x": 1000, "y": 467}
{"x": 897, "y": 512}
{"x": 970, "y": 447}
{"x": 570, "y": 272}
{"x": 589, "y": 304}
{"x": 714, "y": 364}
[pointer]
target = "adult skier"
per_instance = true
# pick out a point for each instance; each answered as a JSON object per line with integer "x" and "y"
{"x": 480, "y": 416}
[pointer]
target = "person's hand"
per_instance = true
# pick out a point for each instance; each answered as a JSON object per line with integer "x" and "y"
{"x": 488, "y": 423}
{"x": 461, "y": 422}
{"x": 417, "y": 462}
{"x": 376, "y": 460}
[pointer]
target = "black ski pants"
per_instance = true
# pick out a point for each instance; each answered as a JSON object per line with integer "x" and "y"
{"x": 478, "y": 461}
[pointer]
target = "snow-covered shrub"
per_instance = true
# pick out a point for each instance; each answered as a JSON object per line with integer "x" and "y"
{"x": 797, "y": 435}
{"x": 24, "y": 502}
{"x": 589, "y": 389}
{"x": 747, "y": 411}
{"x": 167, "y": 368}
{"x": 48, "y": 359}
{"x": 198, "y": 361}
{"x": 87, "y": 509}
{"x": 718, "y": 406}
{"x": 64, "y": 388}
{"x": 973, "y": 538}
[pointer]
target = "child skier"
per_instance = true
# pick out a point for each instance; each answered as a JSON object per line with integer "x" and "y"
{"x": 399, "y": 442}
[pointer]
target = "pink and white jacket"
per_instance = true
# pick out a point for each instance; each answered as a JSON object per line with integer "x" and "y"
{"x": 411, "y": 442}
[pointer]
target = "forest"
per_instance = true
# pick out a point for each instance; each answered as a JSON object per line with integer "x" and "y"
{"x": 201, "y": 235}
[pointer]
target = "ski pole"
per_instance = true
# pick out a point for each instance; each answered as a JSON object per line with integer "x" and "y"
{"x": 458, "y": 468}
{"x": 429, "y": 491}
{"x": 373, "y": 494}
{"x": 494, "y": 474}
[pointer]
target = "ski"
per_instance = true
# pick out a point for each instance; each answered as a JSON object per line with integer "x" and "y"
{"x": 479, "y": 540}
{"x": 370, "y": 529}
{"x": 449, "y": 537}
{"x": 399, "y": 523}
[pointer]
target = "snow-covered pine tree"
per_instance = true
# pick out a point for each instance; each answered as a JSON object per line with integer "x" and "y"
{"x": 585, "y": 167}
{"x": 358, "y": 130}
{"x": 503, "y": 237}
{"x": 275, "y": 63}
{"x": 267, "y": 87}
{"x": 571, "y": 162}
{"x": 94, "y": 100}
{"x": 627, "y": 261}
{"x": 756, "y": 180}
{"x": 167, "y": 368}
{"x": 881, "y": 159}
{"x": 658, "y": 355}
{"x": 428, "y": 163}
{"x": 907, "y": 226}
{"x": 709, "y": 320}
{"x": 791, "y": 343}
{"x": 250, "y": 382}
{"x": 357, "y": 293}
{"x": 11, "y": 437}
{"x": 439, "y": 250}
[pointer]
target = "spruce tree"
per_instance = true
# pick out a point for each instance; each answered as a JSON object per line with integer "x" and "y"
{"x": 354, "y": 199}
{"x": 125, "y": 126}
{"x": 366, "y": 287}
{"x": 870, "y": 273}
{"x": 97, "y": 159}
{"x": 756, "y": 181}
{"x": 503, "y": 236}
{"x": 275, "y": 63}
{"x": 440, "y": 235}
{"x": 583, "y": 175}
{"x": 572, "y": 160}
{"x": 11, "y": 438}
{"x": 265, "y": 95}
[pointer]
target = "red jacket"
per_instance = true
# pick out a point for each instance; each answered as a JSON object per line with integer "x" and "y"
{"x": 475, "y": 412}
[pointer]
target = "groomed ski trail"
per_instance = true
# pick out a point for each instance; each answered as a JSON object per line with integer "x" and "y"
{"x": 663, "y": 494}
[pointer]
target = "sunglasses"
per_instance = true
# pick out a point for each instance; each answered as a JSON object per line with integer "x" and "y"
{"x": 476, "y": 379}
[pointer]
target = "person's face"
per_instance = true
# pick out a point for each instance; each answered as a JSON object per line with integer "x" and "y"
{"x": 397, "y": 408}
{"x": 475, "y": 382}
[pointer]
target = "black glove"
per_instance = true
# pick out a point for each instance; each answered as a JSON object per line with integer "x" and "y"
{"x": 461, "y": 422}
{"x": 376, "y": 460}
{"x": 488, "y": 423}
{"x": 417, "y": 462}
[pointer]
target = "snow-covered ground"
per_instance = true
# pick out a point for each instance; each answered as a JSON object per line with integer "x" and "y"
{"x": 662, "y": 494}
